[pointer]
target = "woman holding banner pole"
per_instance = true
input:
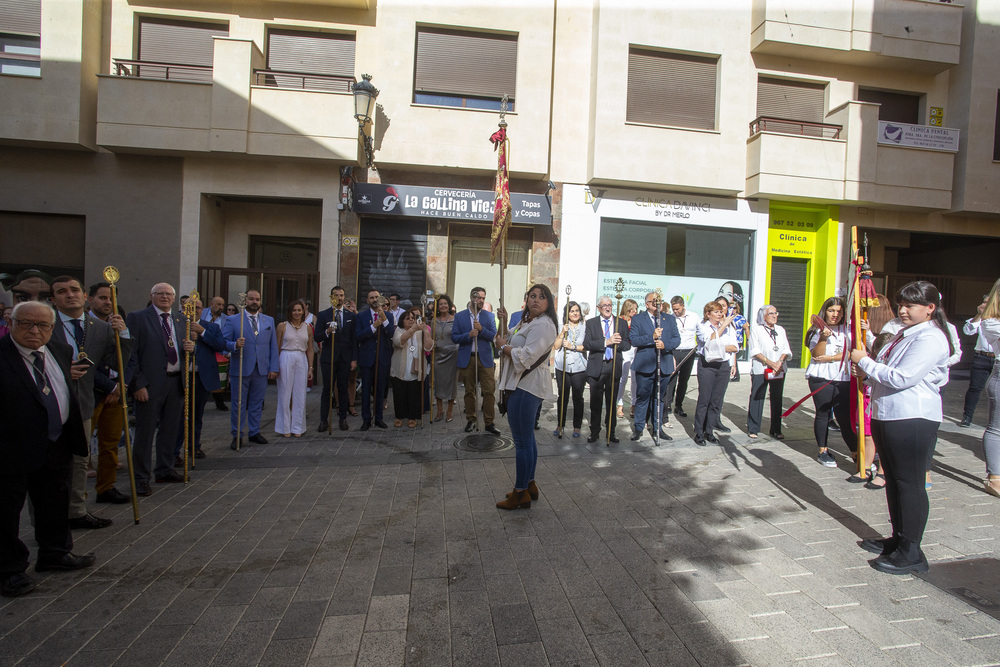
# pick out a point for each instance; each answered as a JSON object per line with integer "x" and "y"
{"x": 571, "y": 366}
{"x": 829, "y": 376}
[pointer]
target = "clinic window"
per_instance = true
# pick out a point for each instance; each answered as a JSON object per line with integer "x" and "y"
{"x": 672, "y": 89}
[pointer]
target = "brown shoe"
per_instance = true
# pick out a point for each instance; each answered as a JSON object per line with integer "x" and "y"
{"x": 515, "y": 500}
{"x": 532, "y": 490}
{"x": 992, "y": 486}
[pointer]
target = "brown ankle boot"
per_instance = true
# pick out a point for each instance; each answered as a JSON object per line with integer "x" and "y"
{"x": 515, "y": 499}
{"x": 532, "y": 490}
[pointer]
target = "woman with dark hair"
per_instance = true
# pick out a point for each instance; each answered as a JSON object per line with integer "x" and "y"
{"x": 527, "y": 347}
{"x": 829, "y": 377}
{"x": 906, "y": 380}
{"x": 231, "y": 309}
{"x": 410, "y": 341}
{"x": 571, "y": 361}
{"x": 295, "y": 360}
{"x": 716, "y": 345}
{"x": 445, "y": 358}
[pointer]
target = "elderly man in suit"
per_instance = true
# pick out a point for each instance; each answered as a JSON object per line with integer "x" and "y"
{"x": 475, "y": 327}
{"x": 338, "y": 323}
{"x": 42, "y": 432}
{"x": 373, "y": 330}
{"x": 654, "y": 336}
{"x": 93, "y": 344}
{"x": 154, "y": 373}
{"x": 256, "y": 352}
{"x": 606, "y": 338}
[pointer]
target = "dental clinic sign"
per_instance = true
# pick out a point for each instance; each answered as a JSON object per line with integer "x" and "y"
{"x": 918, "y": 136}
{"x": 458, "y": 203}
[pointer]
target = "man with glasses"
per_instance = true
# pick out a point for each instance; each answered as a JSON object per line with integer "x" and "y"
{"x": 42, "y": 431}
{"x": 154, "y": 372}
{"x": 606, "y": 338}
{"x": 654, "y": 336}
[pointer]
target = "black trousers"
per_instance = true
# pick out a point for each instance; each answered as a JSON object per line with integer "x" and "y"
{"x": 904, "y": 447}
{"x": 836, "y": 395}
{"x": 48, "y": 489}
{"x": 604, "y": 389}
{"x": 341, "y": 369}
{"x": 758, "y": 387}
{"x": 406, "y": 398}
{"x": 713, "y": 380}
{"x": 574, "y": 384}
{"x": 978, "y": 375}
{"x": 679, "y": 384}
{"x": 159, "y": 418}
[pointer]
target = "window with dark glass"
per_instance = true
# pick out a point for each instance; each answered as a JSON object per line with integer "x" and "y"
{"x": 20, "y": 37}
{"x": 895, "y": 107}
{"x": 309, "y": 60}
{"x": 671, "y": 89}
{"x": 464, "y": 68}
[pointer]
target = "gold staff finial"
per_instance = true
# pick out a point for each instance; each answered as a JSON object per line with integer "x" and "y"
{"x": 619, "y": 287}
{"x": 241, "y": 299}
{"x": 111, "y": 274}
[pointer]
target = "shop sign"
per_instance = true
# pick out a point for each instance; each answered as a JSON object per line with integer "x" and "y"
{"x": 918, "y": 136}
{"x": 792, "y": 238}
{"x": 696, "y": 292}
{"x": 458, "y": 203}
{"x": 351, "y": 241}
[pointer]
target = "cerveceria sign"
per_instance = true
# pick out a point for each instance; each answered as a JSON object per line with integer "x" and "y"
{"x": 413, "y": 201}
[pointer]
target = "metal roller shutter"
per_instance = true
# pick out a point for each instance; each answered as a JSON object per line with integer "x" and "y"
{"x": 310, "y": 52}
{"x": 179, "y": 42}
{"x": 465, "y": 63}
{"x": 392, "y": 258}
{"x": 671, "y": 89}
{"x": 23, "y": 17}
{"x": 794, "y": 100}
{"x": 788, "y": 295}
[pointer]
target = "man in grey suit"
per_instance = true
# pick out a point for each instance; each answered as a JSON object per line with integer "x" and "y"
{"x": 93, "y": 343}
{"x": 154, "y": 375}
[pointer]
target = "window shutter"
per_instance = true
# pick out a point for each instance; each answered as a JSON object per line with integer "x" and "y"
{"x": 793, "y": 100}
{"x": 898, "y": 107}
{"x": 310, "y": 53}
{"x": 179, "y": 42}
{"x": 671, "y": 89}
{"x": 466, "y": 64}
{"x": 22, "y": 17}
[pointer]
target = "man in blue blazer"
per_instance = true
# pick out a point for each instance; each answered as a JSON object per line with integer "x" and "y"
{"x": 336, "y": 322}
{"x": 654, "y": 335}
{"x": 153, "y": 373}
{"x": 373, "y": 329}
{"x": 256, "y": 352}
{"x": 476, "y": 325}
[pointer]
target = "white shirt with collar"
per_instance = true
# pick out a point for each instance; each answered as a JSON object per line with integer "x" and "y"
{"x": 907, "y": 376}
{"x": 725, "y": 336}
{"x": 973, "y": 327}
{"x": 53, "y": 373}
{"x": 762, "y": 343}
{"x": 687, "y": 326}
{"x": 837, "y": 343}
{"x": 65, "y": 325}
{"x": 175, "y": 367}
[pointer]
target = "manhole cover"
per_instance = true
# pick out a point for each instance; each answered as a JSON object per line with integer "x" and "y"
{"x": 483, "y": 442}
{"x": 977, "y": 581}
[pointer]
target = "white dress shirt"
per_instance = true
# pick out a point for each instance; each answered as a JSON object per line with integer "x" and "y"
{"x": 972, "y": 328}
{"x": 528, "y": 342}
{"x": 53, "y": 373}
{"x": 990, "y": 330}
{"x": 839, "y": 370}
{"x": 687, "y": 327}
{"x": 722, "y": 339}
{"x": 771, "y": 348}
{"x": 907, "y": 377}
{"x": 66, "y": 326}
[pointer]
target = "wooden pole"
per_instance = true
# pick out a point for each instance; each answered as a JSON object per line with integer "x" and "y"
{"x": 859, "y": 344}
{"x": 619, "y": 286}
{"x": 241, "y": 305}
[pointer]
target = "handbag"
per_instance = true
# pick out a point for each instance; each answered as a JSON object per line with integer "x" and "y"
{"x": 505, "y": 393}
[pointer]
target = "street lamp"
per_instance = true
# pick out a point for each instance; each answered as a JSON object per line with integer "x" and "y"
{"x": 365, "y": 95}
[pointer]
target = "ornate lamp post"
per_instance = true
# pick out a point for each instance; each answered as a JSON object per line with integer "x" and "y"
{"x": 365, "y": 95}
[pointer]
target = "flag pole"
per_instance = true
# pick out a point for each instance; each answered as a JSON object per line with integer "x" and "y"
{"x": 859, "y": 344}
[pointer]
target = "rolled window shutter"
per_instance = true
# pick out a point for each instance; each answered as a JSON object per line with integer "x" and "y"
{"x": 23, "y": 17}
{"x": 671, "y": 89}
{"x": 793, "y": 100}
{"x": 310, "y": 53}
{"x": 179, "y": 42}
{"x": 466, "y": 64}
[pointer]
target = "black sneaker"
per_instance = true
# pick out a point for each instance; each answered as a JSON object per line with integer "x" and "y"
{"x": 966, "y": 422}
{"x": 833, "y": 426}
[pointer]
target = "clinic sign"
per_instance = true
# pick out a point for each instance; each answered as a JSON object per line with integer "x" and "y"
{"x": 918, "y": 136}
{"x": 789, "y": 235}
{"x": 458, "y": 203}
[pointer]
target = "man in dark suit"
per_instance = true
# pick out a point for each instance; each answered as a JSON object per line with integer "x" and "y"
{"x": 93, "y": 344}
{"x": 606, "y": 338}
{"x": 373, "y": 330}
{"x": 257, "y": 354}
{"x": 208, "y": 340}
{"x": 474, "y": 329}
{"x": 154, "y": 374}
{"x": 42, "y": 432}
{"x": 338, "y": 322}
{"x": 654, "y": 335}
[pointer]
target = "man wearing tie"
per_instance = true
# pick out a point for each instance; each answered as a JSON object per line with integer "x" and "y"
{"x": 373, "y": 330}
{"x": 653, "y": 335}
{"x": 42, "y": 431}
{"x": 475, "y": 328}
{"x": 335, "y": 322}
{"x": 606, "y": 338}
{"x": 257, "y": 353}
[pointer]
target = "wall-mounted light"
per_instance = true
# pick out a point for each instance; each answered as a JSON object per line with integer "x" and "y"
{"x": 365, "y": 95}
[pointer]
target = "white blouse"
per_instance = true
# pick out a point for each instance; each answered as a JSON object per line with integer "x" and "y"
{"x": 771, "y": 348}
{"x": 528, "y": 342}
{"x": 907, "y": 376}
{"x": 726, "y": 337}
{"x": 839, "y": 370}
{"x": 575, "y": 361}
{"x": 990, "y": 330}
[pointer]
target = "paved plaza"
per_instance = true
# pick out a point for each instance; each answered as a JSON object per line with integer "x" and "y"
{"x": 385, "y": 548}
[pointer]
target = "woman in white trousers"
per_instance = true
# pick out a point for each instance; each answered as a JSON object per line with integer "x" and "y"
{"x": 295, "y": 361}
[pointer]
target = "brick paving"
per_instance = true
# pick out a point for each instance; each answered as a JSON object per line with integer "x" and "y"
{"x": 385, "y": 548}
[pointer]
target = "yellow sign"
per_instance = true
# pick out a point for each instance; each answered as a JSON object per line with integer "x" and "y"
{"x": 937, "y": 116}
{"x": 351, "y": 241}
{"x": 791, "y": 237}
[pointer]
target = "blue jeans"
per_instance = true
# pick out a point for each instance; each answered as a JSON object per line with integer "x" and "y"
{"x": 521, "y": 410}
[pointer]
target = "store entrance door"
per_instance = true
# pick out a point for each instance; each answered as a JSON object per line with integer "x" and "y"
{"x": 788, "y": 288}
{"x": 277, "y": 288}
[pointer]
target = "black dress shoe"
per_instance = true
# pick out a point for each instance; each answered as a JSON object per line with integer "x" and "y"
{"x": 679, "y": 412}
{"x": 536, "y": 427}
{"x": 17, "y": 585}
{"x": 614, "y": 440}
{"x": 777, "y": 436}
{"x": 142, "y": 489}
{"x": 258, "y": 438}
{"x": 64, "y": 563}
{"x": 470, "y": 426}
{"x": 879, "y": 546}
{"x": 178, "y": 462}
{"x": 699, "y": 439}
{"x": 724, "y": 429}
{"x": 170, "y": 478}
{"x": 966, "y": 422}
{"x": 88, "y": 520}
{"x": 711, "y": 438}
{"x": 593, "y": 437}
{"x": 200, "y": 454}
{"x": 381, "y": 424}
{"x": 664, "y": 436}
{"x": 636, "y": 435}
{"x": 323, "y": 427}
{"x": 113, "y": 496}
{"x": 222, "y": 407}
{"x": 893, "y": 563}
{"x": 493, "y": 429}
{"x": 365, "y": 426}
{"x": 343, "y": 425}
{"x": 232, "y": 445}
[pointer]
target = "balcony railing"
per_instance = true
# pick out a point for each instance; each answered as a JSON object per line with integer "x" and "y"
{"x": 165, "y": 71}
{"x": 799, "y": 127}
{"x": 303, "y": 80}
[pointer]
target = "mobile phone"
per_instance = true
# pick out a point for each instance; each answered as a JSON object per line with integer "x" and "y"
{"x": 84, "y": 360}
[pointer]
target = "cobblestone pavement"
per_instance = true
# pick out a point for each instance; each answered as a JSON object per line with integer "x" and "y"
{"x": 385, "y": 548}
